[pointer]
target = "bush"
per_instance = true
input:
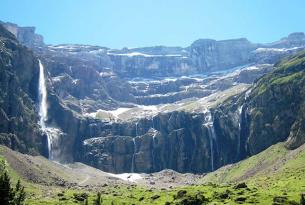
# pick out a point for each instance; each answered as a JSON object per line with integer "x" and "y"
{"x": 99, "y": 199}
{"x": 80, "y": 196}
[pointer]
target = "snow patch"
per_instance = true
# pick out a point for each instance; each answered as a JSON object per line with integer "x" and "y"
{"x": 75, "y": 81}
{"x": 148, "y": 107}
{"x": 131, "y": 177}
{"x": 141, "y": 54}
{"x": 252, "y": 68}
{"x": 276, "y": 49}
{"x": 118, "y": 111}
{"x": 110, "y": 113}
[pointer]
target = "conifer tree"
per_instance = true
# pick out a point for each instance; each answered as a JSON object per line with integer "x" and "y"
{"x": 19, "y": 194}
{"x": 6, "y": 192}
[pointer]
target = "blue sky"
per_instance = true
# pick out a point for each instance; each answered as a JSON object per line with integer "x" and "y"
{"x": 134, "y": 23}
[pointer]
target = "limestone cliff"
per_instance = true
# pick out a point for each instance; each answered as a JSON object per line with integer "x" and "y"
{"x": 190, "y": 124}
{"x": 18, "y": 96}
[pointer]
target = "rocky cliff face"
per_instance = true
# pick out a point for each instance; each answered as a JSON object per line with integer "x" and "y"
{"x": 83, "y": 83}
{"x": 176, "y": 140}
{"x": 151, "y": 65}
{"x": 25, "y": 35}
{"x": 208, "y": 54}
{"x": 204, "y": 55}
{"x": 18, "y": 95}
{"x": 269, "y": 112}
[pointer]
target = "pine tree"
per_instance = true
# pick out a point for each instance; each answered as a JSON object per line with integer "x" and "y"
{"x": 6, "y": 192}
{"x": 18, "y": 186}
{"x": 19, "y": 194}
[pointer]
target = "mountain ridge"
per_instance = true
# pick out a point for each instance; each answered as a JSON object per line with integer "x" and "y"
{"x": 141, "y": 144}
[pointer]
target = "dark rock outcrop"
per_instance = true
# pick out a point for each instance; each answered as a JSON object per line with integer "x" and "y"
{"x": 177, "y": 140}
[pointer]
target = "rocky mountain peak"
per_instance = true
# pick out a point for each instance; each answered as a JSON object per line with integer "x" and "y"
{"x": 25, "y": 35}
{"x": 296, "y": 36}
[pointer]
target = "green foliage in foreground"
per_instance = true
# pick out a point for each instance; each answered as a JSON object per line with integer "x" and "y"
{"x": 9, "y": 195}
{"x": 203, "y": 194}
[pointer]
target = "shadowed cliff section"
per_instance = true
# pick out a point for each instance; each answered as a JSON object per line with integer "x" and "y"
{"x": 18, "y": 94}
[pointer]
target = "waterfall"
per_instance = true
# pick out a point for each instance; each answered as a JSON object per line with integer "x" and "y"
{"x": 43, "y": 107}
{"x": 134, "y": 149}
{"x": 51, "y": 132}
{"x": 152, "y": 122}
{"x": 240, "y": 110}
{"x": 153, "y": 147}
{"x": 137, "y": 128}
{"x": 247, "y": 94}
{"x": 133, "y": 156}
{"x": 211, "y": 135}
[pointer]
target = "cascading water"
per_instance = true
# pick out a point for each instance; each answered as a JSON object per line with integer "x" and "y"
{"x": 133, "y": 156}
{"x": 134, "y": 149}
{"x": 212, "y": 136}
{"x": 137, "y": 129}
{"x": 51, "y": 133}
{"x": 153, "y": 147}
{"x": 43, "y": 111}
{"x": 240, "y": 110}
{"x": 152, "y": 123}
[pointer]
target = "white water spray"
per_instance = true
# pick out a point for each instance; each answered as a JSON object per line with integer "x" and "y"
{"x": 137, "y": 129}
{"x": 52, "y": 133}
{"x": 212, "y": 136}
{"x": 155, "y": 132}
{"x": 240, "y": 110}
{"x": 43, "y": 107}
{"x": 152, "y": 122}
{"x": 133, "y": 156}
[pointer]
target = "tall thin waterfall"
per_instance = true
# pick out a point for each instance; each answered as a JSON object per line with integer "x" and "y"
{"x": 153, "y": 148}
{"x": 51, "y": 133}
{"x": 43, "y": 107}
{"x": 240, "y": 110}
{"x": 133, "y": 156}
{"x": 152, "y": 123}
{"x": 137, "y": 129}
{"x": 212, "y": 136}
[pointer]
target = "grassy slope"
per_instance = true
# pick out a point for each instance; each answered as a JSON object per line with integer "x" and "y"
{"x": 288, "y": 70}
{"x": 274, "y": 172}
